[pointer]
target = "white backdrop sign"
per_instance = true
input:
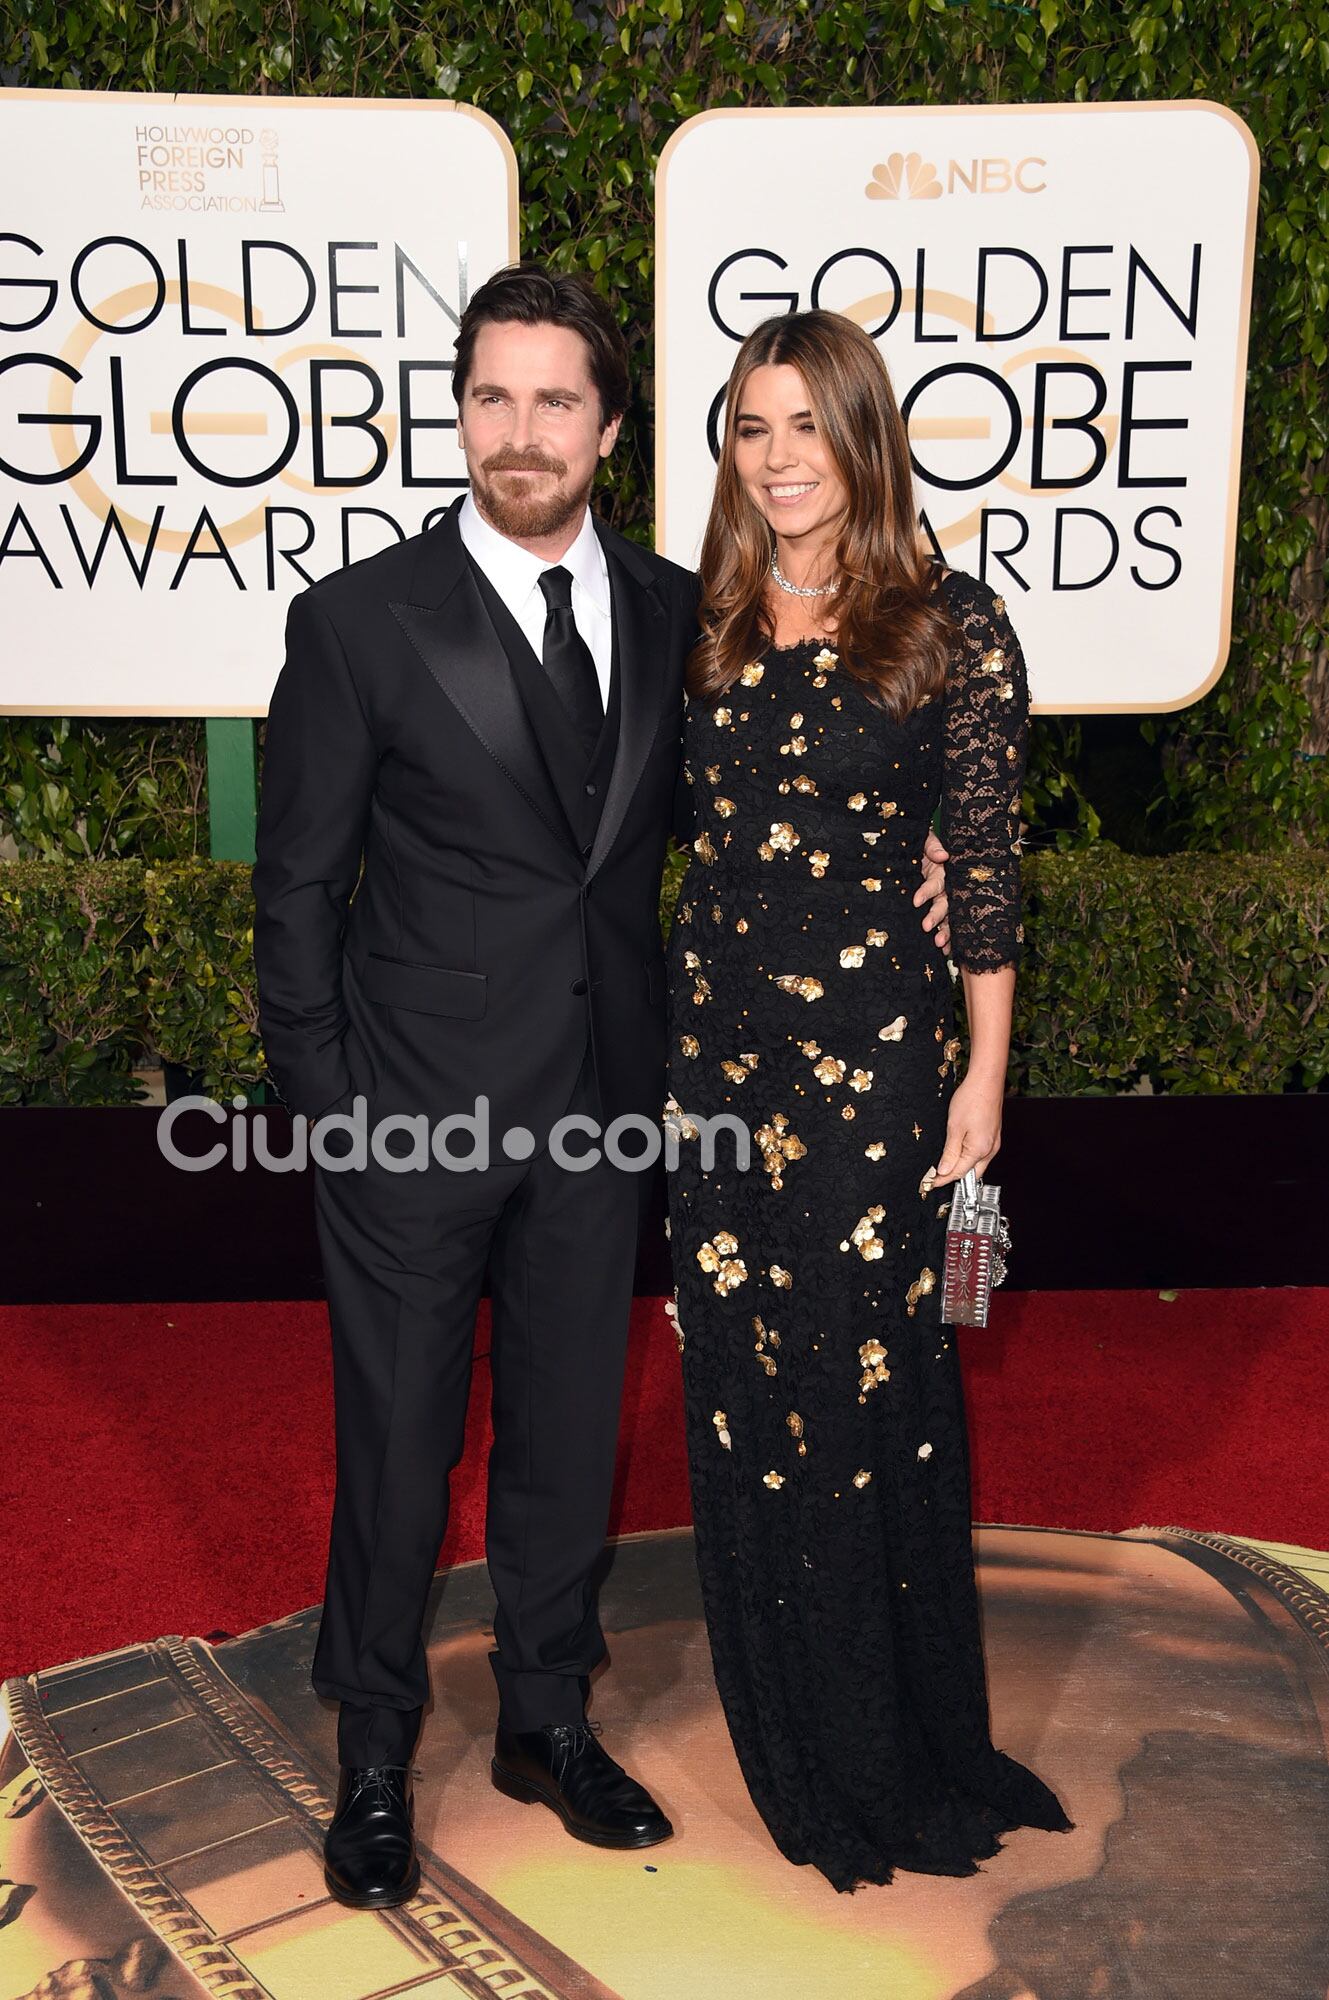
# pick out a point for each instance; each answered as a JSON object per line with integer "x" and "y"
{"x": 1062, "y": 295}
{"x": 226, "y": 337}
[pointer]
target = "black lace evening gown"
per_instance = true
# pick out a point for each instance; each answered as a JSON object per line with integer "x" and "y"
{"x": 826, "y": 1428}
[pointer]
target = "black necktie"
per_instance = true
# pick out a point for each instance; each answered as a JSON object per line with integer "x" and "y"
{"x": 567, "y": 657}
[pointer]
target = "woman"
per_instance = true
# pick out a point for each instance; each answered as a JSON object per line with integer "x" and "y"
{"x": 844, "y": 686}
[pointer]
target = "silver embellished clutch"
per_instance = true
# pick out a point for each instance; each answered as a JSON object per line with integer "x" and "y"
{"x": 976, "y": 1236}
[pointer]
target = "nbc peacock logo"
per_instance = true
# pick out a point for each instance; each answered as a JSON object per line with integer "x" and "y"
{"x": 904, "y": 177}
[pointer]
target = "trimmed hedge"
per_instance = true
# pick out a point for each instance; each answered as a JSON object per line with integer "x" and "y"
{"x": 1185, "y": 973}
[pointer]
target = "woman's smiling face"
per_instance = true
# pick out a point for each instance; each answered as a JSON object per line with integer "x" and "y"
{"x": 786, "y": 468}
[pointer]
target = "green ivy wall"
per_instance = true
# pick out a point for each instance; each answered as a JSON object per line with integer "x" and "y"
{"x": 589, "y": 95}
{"x": 1198, "y": 971}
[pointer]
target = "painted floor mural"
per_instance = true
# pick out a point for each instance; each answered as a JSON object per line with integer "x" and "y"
{"x": 162, "y": 1807}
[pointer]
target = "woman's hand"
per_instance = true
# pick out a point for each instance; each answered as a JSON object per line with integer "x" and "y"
{"x": 932, "y": 890}
{"x": 973, "y": 1128}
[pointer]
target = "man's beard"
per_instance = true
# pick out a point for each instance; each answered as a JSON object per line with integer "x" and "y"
{"x": 517, "y": 513}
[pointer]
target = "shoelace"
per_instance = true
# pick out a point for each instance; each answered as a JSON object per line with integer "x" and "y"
{"x": 574, "y": 1734}
{"x": 375, "y": 1778}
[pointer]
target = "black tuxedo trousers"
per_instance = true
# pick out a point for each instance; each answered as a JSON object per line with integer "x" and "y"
{"x": 454, "y": 902}
{"x": 404, "y": 1258}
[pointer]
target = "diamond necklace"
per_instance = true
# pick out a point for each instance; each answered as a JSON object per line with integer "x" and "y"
{"x": 799, "y": 589}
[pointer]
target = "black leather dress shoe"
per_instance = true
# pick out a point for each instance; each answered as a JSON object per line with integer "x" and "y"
{"x": 563, "y": 1767}
{"x": 369, "y": 1858}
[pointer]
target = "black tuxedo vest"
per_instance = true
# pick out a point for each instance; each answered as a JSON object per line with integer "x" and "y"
{"x": 580, "y": 782}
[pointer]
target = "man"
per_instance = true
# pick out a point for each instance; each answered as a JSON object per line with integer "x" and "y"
{"x": 488, "y": 718}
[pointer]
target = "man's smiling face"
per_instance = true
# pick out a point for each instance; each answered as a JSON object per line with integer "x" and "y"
{"x": 531, "y": 427}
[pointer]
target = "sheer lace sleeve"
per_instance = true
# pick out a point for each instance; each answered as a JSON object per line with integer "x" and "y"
{"x": 986, "y": 743}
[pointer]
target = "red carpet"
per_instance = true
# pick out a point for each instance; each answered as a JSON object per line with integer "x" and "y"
{"x": 169, "y": 1468}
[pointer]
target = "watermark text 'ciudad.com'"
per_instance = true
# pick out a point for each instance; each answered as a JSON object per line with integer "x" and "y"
{"x": 407, "y": 1142}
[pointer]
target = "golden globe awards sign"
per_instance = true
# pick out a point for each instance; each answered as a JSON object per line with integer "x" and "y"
{"x": 226, "y": 338}
{"x": 1061, "y": 294}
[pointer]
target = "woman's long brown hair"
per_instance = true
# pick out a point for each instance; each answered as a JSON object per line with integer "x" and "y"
{"x": 892, "y": 630}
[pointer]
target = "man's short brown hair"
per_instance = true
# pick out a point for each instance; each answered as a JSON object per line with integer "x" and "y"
{"x": 532, "y": 295}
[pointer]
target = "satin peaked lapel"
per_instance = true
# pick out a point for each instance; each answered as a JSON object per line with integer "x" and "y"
{"x": 643, "y": 629}
{"x": 457, "y": 642}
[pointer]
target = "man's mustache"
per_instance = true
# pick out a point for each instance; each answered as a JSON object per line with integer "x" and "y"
{"x": 530, "y": 461}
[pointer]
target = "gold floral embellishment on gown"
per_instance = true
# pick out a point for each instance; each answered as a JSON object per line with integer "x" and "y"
{"x": 712, "y": 774}
{"x": 701, "y": 991}
{"x": 861, "y": 1080}
{"x": 752, "y": 673}
{"x": 775, "y": 1480}
{"x": 726, "y": 808}
{"x": 857, "y": 801}
{"x": 862, "y": 1479}
{"x": 852, "y": 956}
{"x": 721, "y": 1422}
{"x": 994, "y": 660}
{"x": 671, "y": 1314}
{"x": 797, "y": 746}
{"x": 801, "y": 983}
{"x": 734, "y": 1071}
{"x": 766, "y": 1337}
{"x": 830, "y": 1069}
{"x": 690, "y": 1046}
{"x": 781, "y": 1278}
{"x": 878, "y": 938}
{"x": 922, "y": 1285}
{"x": 723, "y": 717}
{"x": 778, "y": 1145}
{"x": 795, "y": 1426}
{"x": 980, "y": 874}
{"x": 928, "y": 1182}
{"x": 819, "y": 861}
{"x": 703, "y": 848}
{"x": 783, "y": 837}
{"x": 677, "y": 1121}
{"x": 718, "y": 1259}
{"x": 890, "y": 809}
{"x": 876, "y": 1151}
{"x": 872, "y": 1360}
{"x": 865, "y": 1239}
{"x": 826, "y": 660}
{"x": 925, "y": 1451}
{"x": 803, "y": 783}
{"x": 872, "y": 883}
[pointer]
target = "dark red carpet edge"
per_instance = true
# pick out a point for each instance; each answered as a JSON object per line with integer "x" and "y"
{"x": 169, "y": 1468}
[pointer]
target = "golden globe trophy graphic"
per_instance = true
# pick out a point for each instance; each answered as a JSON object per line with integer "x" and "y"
{"x": 271, "y": 200}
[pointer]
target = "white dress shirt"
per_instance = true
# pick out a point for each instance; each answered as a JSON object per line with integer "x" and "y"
{"x": 515, "y": 574}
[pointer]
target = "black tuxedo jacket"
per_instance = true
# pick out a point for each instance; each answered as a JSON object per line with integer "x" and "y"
{"x": 487, "y": 932}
